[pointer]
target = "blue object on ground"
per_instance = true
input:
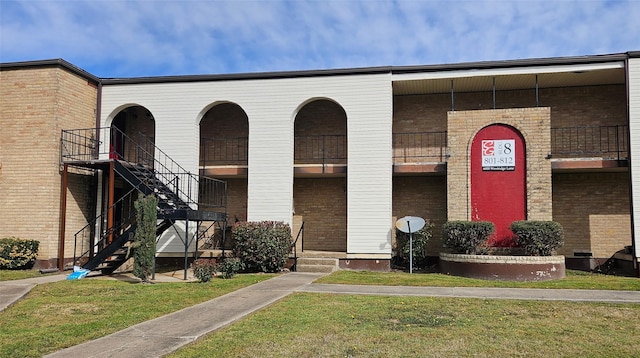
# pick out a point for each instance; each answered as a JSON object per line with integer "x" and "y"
{"x": 78, "y": 273}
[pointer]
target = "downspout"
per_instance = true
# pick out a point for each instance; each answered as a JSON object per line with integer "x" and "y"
{"x": 633, "y": 235}
{"x": 98, "y": 115}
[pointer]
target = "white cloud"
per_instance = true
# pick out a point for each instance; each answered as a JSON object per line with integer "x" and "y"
{"x": 125, "y": 38}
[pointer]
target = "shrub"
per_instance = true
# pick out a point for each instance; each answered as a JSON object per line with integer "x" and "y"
{"x": 420, "y": 239}
{"x": 17, "y": 253}
{"x": 144, "y": 241}
{"x": 262, "y": 246}
{"x": 467, "y": 237}
{"x": 204, "y": 269}
{"x": 230, "y": 267}
{"x": 538, "y": 238}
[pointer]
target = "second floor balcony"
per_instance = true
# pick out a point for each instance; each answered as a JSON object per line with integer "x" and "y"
{"x": 429, "y": 149}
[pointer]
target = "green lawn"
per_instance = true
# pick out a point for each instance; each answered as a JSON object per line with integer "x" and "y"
{"x": 58, "y": 315}
{"x": 62, "y": 314}
{"x": 325, "y": 325}
{"x": 7, "y": 275}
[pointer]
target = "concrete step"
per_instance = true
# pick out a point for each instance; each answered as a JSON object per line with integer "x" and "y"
{"x": 316, "y": 264}
{"x": 324, "y": 254}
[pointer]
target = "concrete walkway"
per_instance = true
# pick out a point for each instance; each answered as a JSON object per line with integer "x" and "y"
{"x": 477, "y": 292}
{"x": 165, "y": 334}
{"x": 12, "y": 291}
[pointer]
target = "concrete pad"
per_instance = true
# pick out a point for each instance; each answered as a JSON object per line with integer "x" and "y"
{"x": 167, "y": 333}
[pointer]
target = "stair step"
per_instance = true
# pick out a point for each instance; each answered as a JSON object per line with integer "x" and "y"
{"x": 317, "y": 261}
{"x": 316, "y": 264}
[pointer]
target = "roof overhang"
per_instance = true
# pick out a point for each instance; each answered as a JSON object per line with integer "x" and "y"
{"x": 509, "y": 78}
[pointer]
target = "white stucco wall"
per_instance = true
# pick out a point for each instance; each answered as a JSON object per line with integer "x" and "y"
{"x": 271, "y": 106}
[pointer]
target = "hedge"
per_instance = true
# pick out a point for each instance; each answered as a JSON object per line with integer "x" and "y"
{"x": 538, "y": 238}
{"x": 467, "y": 237}
{"x": 17, "y": 253}
{"x": 262, "y": 246}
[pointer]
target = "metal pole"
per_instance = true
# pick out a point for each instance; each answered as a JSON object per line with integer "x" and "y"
{"x": 186, "y": 249}
{"x": 410, "y": 248}
{"x": 537, "y": 89}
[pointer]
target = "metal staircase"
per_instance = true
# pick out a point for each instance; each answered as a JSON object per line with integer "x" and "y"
{"x": 182, "y": 196}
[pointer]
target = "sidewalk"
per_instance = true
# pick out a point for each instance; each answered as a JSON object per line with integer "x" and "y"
{"x": 12, "y": 291}
{"x": 165, "y": 334}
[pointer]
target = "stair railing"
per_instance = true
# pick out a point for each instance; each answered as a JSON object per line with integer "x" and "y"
{"x": 87, "y": 235}
{"x": 294, "y": 246}
{"x": 184, "y": 184}
{"x": 94, "y": 144}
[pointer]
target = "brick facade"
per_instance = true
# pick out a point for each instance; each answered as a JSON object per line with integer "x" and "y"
{"x": 36, "y": 104}
{"x": 322, "y": 204}
{"x": 594, "y": 210}
{"x": 533, "y": 124}
{"x": 425, "y": 197}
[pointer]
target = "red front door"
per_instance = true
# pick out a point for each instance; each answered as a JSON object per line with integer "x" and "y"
{"x": 498, "y": 180}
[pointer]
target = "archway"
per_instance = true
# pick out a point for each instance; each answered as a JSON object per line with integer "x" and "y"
{"x": 319, "y": 190}
{"x": 133, "y": 135}
{"x": 224, "y": 153}
{"x": 498, "y": 180}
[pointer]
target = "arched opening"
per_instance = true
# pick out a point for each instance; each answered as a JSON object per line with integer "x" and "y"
{"x": 320, "y": 185}
{"x": 224, "y": 148}
{"x": 133, "y": 135}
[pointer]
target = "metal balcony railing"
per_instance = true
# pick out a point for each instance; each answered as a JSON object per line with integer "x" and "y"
{"x": 321, "y": 149}
{"x": 224, "y": 151}
{"x": 419, "y": 147}
{"x": 607, "y": 142}
{"x": 84, "y": 145}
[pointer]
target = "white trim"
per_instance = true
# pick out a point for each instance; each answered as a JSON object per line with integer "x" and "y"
{"x": 506, "y": 71}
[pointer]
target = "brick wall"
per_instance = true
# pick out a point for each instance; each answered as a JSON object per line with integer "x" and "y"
{"x": 35, "y": 105}
{"x": 228, "y": 123}
{"x": 322, "y": 203}
{"x": 236, "y": 199}
{"x": 594, "y": 210}
{"x": 321, "y": 117}
{"x": 533, "y": 123}
{"x": 426, "y": 197}
{"x": 224, "y": 120}
{"x": 570, "y": 106}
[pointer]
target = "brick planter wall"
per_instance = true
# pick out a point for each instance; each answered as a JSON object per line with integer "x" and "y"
{"x": 504, "y": 268}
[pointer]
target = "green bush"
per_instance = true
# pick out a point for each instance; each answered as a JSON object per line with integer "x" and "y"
{"x": 262, "y": 246}
{"x": 229, "y": 267}
{"x": 538, "y": 238}
{"x": 17, "y": 253}
{"x": 204, "y": 269}
{"x": 144, "y": 241}
{"x": 467, "y": 237}
{"x": 420, "y": 240}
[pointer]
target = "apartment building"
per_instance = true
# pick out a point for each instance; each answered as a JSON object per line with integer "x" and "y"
{"x": 337, "y": 154}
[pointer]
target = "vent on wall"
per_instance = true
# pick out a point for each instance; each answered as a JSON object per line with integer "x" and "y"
{"x": 583, "y": 253}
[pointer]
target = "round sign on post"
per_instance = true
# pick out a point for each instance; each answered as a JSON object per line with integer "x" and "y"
{"x": 409, "y": 225}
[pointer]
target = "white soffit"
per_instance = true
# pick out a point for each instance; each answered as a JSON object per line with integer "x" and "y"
{"x": 472, "y": 80}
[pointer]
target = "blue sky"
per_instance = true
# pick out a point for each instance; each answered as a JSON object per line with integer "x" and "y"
{"x": 120, "y": 38}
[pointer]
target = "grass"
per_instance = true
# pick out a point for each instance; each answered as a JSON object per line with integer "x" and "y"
{"x": 574, "y": 280}
{"x": 62, "y": 314}
{"x": 8, "y": 275}
{"x": 58, "y": 315}
{"x": 325, "y": 325}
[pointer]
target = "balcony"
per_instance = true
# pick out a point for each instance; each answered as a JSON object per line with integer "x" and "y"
{"x": 590, "y": 147}
{"x": 586, "y": 147}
